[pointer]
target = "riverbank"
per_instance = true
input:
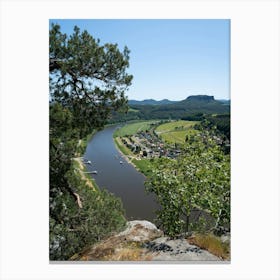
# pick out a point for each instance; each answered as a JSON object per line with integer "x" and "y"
{"x": 116, "y": 172}
{"x": 82, "y": 143}
{"x": 80, "y": 168}
{"x": 141, "y": 165}
{"x": 126, "y": 153}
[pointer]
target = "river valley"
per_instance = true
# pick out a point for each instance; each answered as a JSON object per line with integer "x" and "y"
{"x": 116, "y": 175}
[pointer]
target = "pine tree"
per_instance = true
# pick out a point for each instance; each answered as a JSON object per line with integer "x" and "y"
{"x": 88, "y": 81}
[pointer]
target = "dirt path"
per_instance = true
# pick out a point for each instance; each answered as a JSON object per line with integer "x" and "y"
{"x": 81, "y": 171}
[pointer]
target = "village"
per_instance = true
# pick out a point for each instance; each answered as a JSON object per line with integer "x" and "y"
{"x": 148, "y": 144}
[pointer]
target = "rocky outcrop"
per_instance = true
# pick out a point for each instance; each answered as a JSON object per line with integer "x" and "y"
{"x": 143, "y": 241}
{"x": 166, "y": 249}
{"x": 140, "y": 231}
{"x": 205, "y": 98}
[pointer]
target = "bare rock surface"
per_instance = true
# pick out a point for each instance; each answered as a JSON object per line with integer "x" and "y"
{"x": 166, "y": 249}
{"x": 140, "y": 231}
{"x": 143, "y": 241}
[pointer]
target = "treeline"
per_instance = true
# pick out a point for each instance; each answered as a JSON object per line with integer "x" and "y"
{"x": 79, "y": 214}
{"x": 219, "y": 121}
{"x": 178, "y": 110}
{"x": 222, "y": 122}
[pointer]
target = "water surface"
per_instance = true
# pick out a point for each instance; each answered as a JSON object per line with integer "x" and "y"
{"x": 122, "y": 179}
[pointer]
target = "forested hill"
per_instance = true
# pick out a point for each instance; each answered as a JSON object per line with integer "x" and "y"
{"x": 150, "y": 102}
{"x": 195, "y": 104}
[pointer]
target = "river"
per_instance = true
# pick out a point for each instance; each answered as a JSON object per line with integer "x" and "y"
{"x": 121, "y": 179}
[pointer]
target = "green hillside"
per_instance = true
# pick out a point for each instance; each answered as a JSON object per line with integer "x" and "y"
{"x": 203, "y": 104}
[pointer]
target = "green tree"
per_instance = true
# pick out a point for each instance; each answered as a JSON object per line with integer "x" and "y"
{"x": 198, "y": 179}
{"x": 88, "y": 82}
{"x": 88, "y": 78}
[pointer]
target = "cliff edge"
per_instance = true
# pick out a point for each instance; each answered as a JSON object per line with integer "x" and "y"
{"x": 143, "y": 241}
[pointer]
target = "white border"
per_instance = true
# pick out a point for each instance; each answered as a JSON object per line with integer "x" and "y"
{"x": 255, "y": 137}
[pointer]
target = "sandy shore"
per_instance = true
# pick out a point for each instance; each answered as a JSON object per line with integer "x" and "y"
{"x": 81, "y": 170}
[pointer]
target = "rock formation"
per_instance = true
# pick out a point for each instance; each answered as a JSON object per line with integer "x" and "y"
{"x": 143, "y": 241}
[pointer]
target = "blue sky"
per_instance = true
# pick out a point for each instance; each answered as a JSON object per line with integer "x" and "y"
{"x": 170, "y": 59}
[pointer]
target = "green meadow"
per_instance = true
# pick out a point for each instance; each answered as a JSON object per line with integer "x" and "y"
{"x": 133, "y": 128}
{"x": 175, "y": 131}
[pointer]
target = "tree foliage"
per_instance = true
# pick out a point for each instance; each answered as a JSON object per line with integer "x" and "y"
{"x": 197, "y": 180}
{"x": 73, "y": 227}
{"x": 221, "y": 122}
{"x": 88, "y": 82}
{"x": 88, "y": 78}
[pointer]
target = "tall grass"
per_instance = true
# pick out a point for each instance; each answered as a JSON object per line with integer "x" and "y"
{"x": 212, "y": 244}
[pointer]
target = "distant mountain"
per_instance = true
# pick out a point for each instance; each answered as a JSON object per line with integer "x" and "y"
{"x": 150, "y": 102}
{"x": 200, "y": 98}
{"x": 194, "y": 104}
{"x": 166, "y": 109}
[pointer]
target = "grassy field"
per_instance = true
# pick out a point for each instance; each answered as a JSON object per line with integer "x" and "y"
{"x": 174, "y": 136}
{"x": 175, "y": 132}
{"x": 143, "y": 165}
{"x": 133, "y": 128}
{"x": 171, "y": 126}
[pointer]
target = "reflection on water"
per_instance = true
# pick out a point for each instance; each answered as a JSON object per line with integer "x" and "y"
{"x": 118, "y": 176}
